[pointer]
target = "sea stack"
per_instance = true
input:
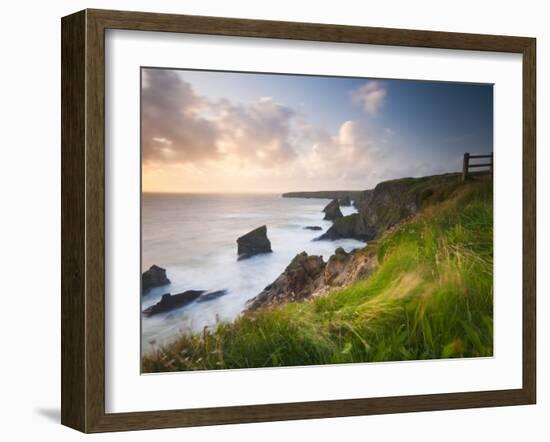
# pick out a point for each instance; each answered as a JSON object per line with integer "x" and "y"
{"x": 154, "y": 277}
{"x": 253, "y": 243}
{"x": 332, "y": 211}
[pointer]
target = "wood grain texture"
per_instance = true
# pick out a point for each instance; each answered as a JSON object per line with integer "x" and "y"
{"x": 83, "y": 220}
{"x": 73, "y": 129}
{"x": 145, "y": 21}
{"x": 529, "y": 220}
{"x": 95, "y": 222}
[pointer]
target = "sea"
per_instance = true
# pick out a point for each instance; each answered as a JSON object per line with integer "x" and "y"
{"x": 193, "y": 236}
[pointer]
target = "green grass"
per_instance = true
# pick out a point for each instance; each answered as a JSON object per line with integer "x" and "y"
{"x": 430, "y": 297}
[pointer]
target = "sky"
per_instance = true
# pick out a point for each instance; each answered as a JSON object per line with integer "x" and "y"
{"x": 228, "y": 132}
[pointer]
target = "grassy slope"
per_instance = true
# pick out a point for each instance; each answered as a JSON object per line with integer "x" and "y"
{"x": 430, "y": 297}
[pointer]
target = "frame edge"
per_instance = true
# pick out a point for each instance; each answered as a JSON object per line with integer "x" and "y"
{"x": 529, "y": 220}
{"x": 73, "y": 207}
{"x": 83, "y": 187}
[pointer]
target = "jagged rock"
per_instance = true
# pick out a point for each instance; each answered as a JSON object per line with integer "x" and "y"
{"x": 313, "y": 228}
{"x": 253, "y": 243}
{"x": 308, "y": 277}
{"x": 343, "y": 268}
{"x": 344, "y": 202}
{"x": 170, "y": 302}
{"x": 332, "y": 210}
{"x": 154, "y": 277}
{"x": 210, "y": 296}
{"x": 298, "y": 281}
{"x": 335, "y": 265}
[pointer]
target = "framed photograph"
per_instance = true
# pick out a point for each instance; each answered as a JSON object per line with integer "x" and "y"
{"x": 269, "y": 220}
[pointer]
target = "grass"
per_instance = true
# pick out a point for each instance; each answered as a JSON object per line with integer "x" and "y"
{"x": 430, "y": 297}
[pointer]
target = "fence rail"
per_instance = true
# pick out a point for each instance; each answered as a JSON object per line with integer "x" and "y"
{"x": 467, "y": 166}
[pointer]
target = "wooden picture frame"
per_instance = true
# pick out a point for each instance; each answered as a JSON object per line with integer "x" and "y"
{"x": 83, "y": 220}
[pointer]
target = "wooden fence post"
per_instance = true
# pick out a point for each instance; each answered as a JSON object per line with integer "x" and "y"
{"x": 465, "y": 166}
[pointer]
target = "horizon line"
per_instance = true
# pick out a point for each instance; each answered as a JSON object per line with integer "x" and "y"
{"x": 248, "y": 193}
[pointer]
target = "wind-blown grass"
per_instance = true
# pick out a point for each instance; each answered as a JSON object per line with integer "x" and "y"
{"x": 430, "y": 297}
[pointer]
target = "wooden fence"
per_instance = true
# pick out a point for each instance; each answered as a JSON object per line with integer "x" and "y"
{"x": 486, "y": 166}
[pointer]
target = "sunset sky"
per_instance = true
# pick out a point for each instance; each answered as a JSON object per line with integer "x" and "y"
{"x": 217, "y": 132}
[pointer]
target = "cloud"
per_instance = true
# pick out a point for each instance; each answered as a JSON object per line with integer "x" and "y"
{"x": 260, "y": 132}
{"x": 346, "y": 156}
{"x": 172, "y": 126}
{"x": 192, "y": 143}
{"x": 180, "y": 126}
{"x": 370, "y": 96}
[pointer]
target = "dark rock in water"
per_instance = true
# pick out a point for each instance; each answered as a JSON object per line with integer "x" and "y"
{"x": 154, "y": 277}
{"x": 346, "y": 201}
{"x": 170, "y": 302}
{"x": 313, "y": 228}
{"x": 210, "y": 296}
{"x": 299, "y": 280}
{"x": 253, "y": 243}
{"x": 332, "y": 211}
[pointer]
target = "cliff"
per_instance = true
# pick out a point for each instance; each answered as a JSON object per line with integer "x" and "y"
{"x": 390, "y": 203}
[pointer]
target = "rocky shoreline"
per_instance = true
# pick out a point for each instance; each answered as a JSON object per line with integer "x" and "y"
{"x": 382, "y": 209}
{"x": 308, "y": 276}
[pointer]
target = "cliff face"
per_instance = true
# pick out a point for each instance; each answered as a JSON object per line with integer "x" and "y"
{"x": 389, "y": 203}
{"x": 363, "y": 199}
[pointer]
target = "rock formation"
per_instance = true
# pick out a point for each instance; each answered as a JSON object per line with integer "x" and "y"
{"x": 308, "y": 276}
{"x": 345, "y": 201}
{"x": 344, "y": 268}
{"x": 170, "y": 302}
{"x": 332, "y": 210}
{"x": 154, "y": 277}
{"x": 350, "y": 226}
{"x": 363, "y": 199}
{"x": 210, "y": 296}
{"x": 301, "y": 278}
{"x": 253, "y": 243}
{"x": 390, "y": 203}
{"x": 313, "y": 228}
